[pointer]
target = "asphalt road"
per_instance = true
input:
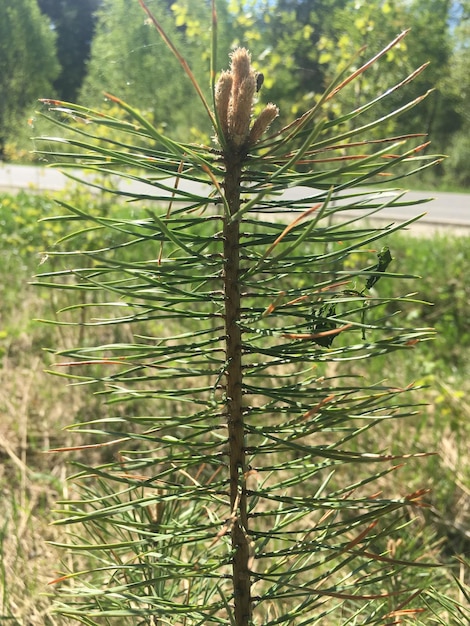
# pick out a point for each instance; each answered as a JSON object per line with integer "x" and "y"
{"x": 445, "y": 210}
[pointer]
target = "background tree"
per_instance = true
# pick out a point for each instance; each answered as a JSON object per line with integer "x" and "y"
{"x": 73, "y": 22}
{"x": 28, "y": 63}
{"x": 457, "y": 84}
{"x": 316, "y": 39}
{"x": 128, "y": 57}
{"x": 294, "y": 31}
{"x": 239, "y": 22}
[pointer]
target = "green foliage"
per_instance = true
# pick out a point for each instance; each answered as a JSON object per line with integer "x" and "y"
{"x": 26, "y": 70}
{"x": 19, "y": 216}
{"x": 457, "y": 84}
{"x": 295, "y": 67}
{"x": 323, "y": 37}
{"x": 447, "y": 314}
{"x": 129, "y": 58}
{"x": 241, "y": 488}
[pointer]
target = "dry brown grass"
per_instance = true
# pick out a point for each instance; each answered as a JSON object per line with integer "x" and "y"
{"x": 34, "y": 409}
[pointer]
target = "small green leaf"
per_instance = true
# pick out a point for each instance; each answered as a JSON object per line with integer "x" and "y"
{"x": 385, "y": 258}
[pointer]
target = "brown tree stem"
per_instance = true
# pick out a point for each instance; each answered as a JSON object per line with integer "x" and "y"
{"x": 234, "y": 400}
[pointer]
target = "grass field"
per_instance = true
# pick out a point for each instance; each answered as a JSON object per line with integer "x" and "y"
{"x": 36, "y": 407}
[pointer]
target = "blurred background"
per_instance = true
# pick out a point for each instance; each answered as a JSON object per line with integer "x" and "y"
{"x": 75, "y": 51}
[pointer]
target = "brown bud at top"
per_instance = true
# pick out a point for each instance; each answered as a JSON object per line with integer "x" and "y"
{"x": 235, "y": 92}
{"x": 223, "y": 93}
{"x": 243, "y": 91}
{"x": 240, "y": 112}
{"x": 262, "y": 122}
{"x": 241, "y": 67}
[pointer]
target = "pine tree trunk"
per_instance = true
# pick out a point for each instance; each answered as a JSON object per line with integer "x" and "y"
{"x": 234, "y": 401}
